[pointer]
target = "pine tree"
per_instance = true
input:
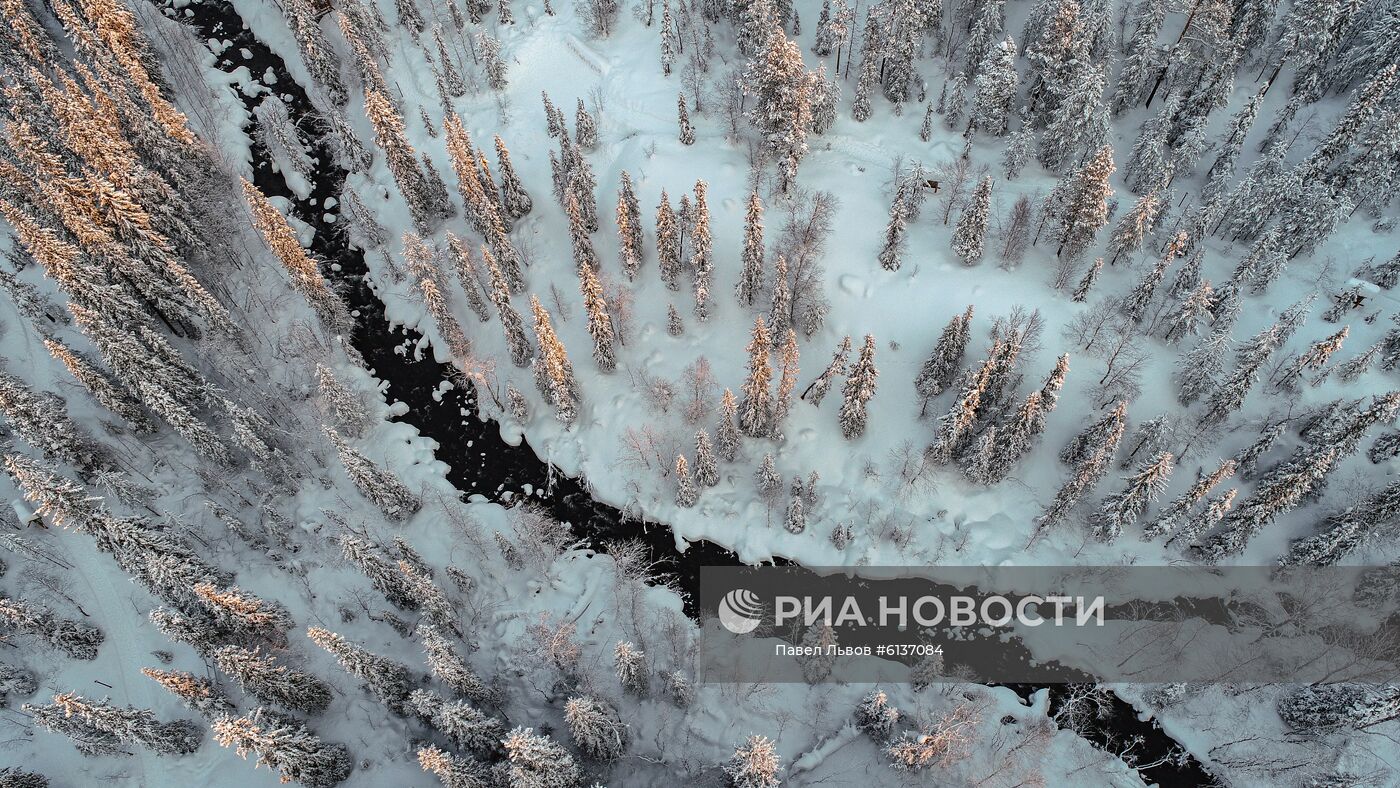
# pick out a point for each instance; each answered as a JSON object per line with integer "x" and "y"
{"x": 284, "y": 744}
{"x": 553, "y": 372}
{"x": 63, "y": 501}
{"x": 755, "y": 764}
{"x": 402, "y": 163}
{"x": 683, "y": 118}
{"x": 1199, "y": 368}
{"x": 787, "y": 381}
{"x": 42, "y": 421}
{"x": 1080, "y": 122}
{"x": 1175, "y": 513}
{"x": 971, "y": 231}
{"x": 379, "y": 485}
{"x": 826, "y": 99}
{"x": 1231, "y": 393}
{"x": 536, "y": 761}
{"x": 75, "y": 639}
{"x": 269, "y": 682}
{"x": 1123, "y": 508}
{"x": 1135, "y": 226}
{"x": 767, "y": 478}
{"x": 783, "y": 110}
{"x": 1314, "y": 358}
{"x": 1281, "y": 491}
{"x": 941, "y": 368}
{"x": 859, "y": 388}
{"x": 239, "y": 611}
{"x": 386, "y": 679}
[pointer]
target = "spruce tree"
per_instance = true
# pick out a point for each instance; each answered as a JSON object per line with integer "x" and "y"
{"x": 683, "y": 118}
{"x": 269, "y": 682}
{"x": 668, "y": 243}
{"x": 783, "y": 110}
{"x": 284, "y": 744}
{"x": 1123, "y": 508}
{"x": 379, "y": 485}
{"x": 751, "y": 272}
{"x": 727, "y": 433}
{"x": 941, "y": 368}
{"x": 536, "y": 761}
{"x": 195, "y": 692}
{"x": 706, "y": 465}
{"x": 686, "y": 492}
{"x": 755, "y": 764}
{"x": 996, "y": 90}
{"x": 971, "y": 231}
{"x": 386, "y": 679}
{"x": 600, "y": 325}
{"x": 596, "y": 728}
{"x": 75, "y": 639}
{"x": 756, "y": 412}
{"x": 816, "y": 391}
{"x": 132, "y": 725}
{"x": 553, "y": 372}
{"x": 859, "y": 389}
{"x": 1082, "y": 207}
{"x": 629, "y": 228}
{"x": 629, "y": 662}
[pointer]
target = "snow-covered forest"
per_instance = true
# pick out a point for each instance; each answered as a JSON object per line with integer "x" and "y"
{"x": 375, "y": 373}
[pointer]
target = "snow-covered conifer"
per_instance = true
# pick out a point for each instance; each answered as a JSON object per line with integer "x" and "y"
{"x": 683, "y": 118}
{"x": 756, "y": 412}
{"x": 706, "y": 465}
{"x": 727, "y": 432}
{"x": 876, "y": 717}
{"x": 133, "y": 725}
{"x": 536, "y": 761}
{"x": 996, "y": 89}
{"x": 379, "y": 485}
{"x": 454, "y": 771}
{"x": 585, "y": 128}
{"x": 668, "y": 243}
{"x": 783, "y": 108}
{"x": 892, "y": 252}
{"x": 269, "y": 682}
{"x": 386, "y": 679}
{"x": 195, "y": 692}
{"x": 971, "y": 231}
{"x": 1091, "y": 454}
{"x": 284, "y": 744}
{"x": 941, "y": 368}
{"x": 751, "y": 273}
{"x": 755, "y": 764}
{"x": 629, "y": 662}
{"x": 600, "y": 325}
{"x": 73, "y": 638}
{"x": 596, "y": 727}
{"x": 448, "y": 667}
{"x": 859, "y": 388}
{"x": 458, "y": 720}
{"x": 1123, "y": 508}
{"x": 629, "y": 228}
{"x": 553, "y": 372}
{"x": 686, "y": 492}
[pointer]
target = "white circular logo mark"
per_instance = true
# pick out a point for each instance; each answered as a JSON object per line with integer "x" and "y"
{"x": 740, "y": 611}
